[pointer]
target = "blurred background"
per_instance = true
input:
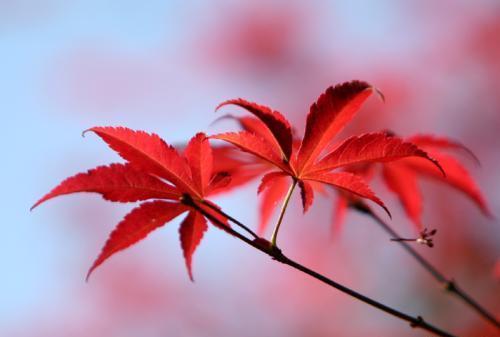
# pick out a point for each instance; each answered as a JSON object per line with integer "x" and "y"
{"x": 163, "y": 66}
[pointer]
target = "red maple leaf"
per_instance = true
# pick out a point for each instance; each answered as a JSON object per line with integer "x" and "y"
{"x": 309, "y": 161}
{"x": 245, "y": 167}
{"x": 401, "y": 177}
{"x": 154, "y": 170}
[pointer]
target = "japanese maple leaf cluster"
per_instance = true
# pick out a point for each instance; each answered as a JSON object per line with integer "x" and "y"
{"x": 160, "y": 177}
{"x": 153, "y": 171}
{"x": 401, "y": 178}
{"x": 310, "y": 161}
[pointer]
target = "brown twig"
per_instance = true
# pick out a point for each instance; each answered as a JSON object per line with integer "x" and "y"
{"x": 267, "y": 248}
{"x": 449, "y": 284}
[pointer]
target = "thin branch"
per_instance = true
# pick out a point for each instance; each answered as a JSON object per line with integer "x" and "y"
{"x": 218, "y": 210}
{"x": 449, "y": 284}
{"x": 267, "y": 248}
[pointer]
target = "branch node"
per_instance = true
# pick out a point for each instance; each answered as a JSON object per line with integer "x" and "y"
{"x": 418, "y": 322}
{"x": 425, "y": 238}
{"x": 450, "y": 286}
{"x": 187, "y": 200}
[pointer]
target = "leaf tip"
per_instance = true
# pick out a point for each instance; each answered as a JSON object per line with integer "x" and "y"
{"x": 84, "y": 132}
{"x": 96, "y": 264}
{"x": 221, "y": 118}
{"x": 189, "y": 267}
{"x": 381, "y": 203}
{"x": 379, "y": 93}
{"x": 439, "y": 167}
{"x": 471, "y": 154}
{"x": 36, "y": 204}
{"x": 217, "y": 108}
{"x": 487, "y": 212}
{"x": 388, "y": 212}
{"x": 89, "y": 273}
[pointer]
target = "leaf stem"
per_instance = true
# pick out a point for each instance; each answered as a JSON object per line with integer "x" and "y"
{"x": 449, "y": 284}
{"x": 276, "y": 254}
{"x": 274, "y": 237}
